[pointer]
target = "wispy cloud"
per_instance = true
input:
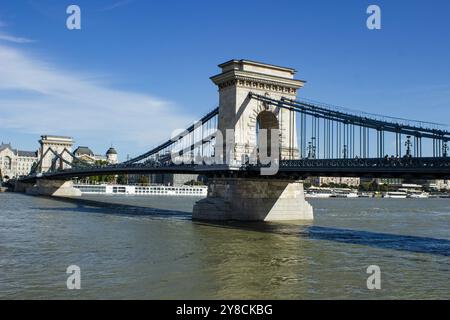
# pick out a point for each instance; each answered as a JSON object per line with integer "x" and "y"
{"x": 116, "y": 4}
{"x": 10, "y": 38}
{"x": 38, "y": 98}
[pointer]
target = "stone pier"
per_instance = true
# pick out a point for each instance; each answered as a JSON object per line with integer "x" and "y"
{"x": 56, "y": 188}
{"x": 253, "y": 199}
{"x": 21, "y": 187}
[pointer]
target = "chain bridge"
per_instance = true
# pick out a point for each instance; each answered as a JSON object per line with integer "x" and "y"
{"x": 261, "y": 124}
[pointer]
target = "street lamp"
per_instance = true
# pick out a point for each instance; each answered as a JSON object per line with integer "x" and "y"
{"x": 444, "y": 149}
{"x": 345, "y": 151}
{"x": 311, "y": 149}
{"x": 408, "y": 145}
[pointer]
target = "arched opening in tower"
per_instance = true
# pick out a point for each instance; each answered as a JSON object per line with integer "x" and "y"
{"x": 268, "y": 121}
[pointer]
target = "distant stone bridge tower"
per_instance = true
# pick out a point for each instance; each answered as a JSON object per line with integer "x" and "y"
{"x": 64, "y": 188}
{"x": 57, "y": 144}
{"x": 237, "y": 111}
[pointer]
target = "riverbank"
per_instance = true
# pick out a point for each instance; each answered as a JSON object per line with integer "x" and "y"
{"x": 401, "y": 193}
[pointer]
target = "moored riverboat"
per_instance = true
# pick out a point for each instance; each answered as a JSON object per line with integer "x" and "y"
{"x": 139, "y": 190}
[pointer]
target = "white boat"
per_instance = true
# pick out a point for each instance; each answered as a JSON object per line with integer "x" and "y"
{"x": 156, "y": 190}
{"x": 352, "y": 195}
{"x": 318, "y": 193}
{"x": 344, "y": 193}
{"x": 395, "y": 194}
{"x": 366, "y": 195}
{"x": 418, "y": 195}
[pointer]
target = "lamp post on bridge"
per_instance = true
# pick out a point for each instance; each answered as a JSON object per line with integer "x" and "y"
{"x": 311, "y": 149}
{"x": 345, "y": 151}
{"x": 408, "y": 145}
{"x": 445, "y": 149}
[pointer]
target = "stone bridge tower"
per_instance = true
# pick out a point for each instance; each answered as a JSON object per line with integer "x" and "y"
{"x": 58, "y": 144}
{"x": 258, "y": 198}
{"x": 237, "y": 111}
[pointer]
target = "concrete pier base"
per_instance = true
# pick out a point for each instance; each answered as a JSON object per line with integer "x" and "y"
{"x": 56, "y": 188}
{"x": 253, "y": 200}
{"x": 22, "y": 187}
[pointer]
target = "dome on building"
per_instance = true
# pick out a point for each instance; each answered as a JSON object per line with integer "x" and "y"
{"x": 111, "y": 151}
{"x": 83, "y": 151}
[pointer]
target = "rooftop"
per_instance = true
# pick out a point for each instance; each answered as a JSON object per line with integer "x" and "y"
{"x": 51, "y": 137}
{"x": 240, "y": 64}
{"x": 111, "y": 151}
{"x": 257, "y": 71}
{"x": 83, "y": 150}
{"x": 19, "y": 153}
{"x": 31, "y": 154}
{"x": 4, "y": 146}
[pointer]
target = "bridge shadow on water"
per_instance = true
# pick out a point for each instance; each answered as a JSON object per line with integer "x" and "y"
{"x": 379, "y": 240}
{"x": 101, "y": 207}
{"x": 382, "y": 240}
{"x": 306, "y": 230}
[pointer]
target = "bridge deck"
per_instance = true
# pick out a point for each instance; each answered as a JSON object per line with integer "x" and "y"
{"x": 429, "y": 168}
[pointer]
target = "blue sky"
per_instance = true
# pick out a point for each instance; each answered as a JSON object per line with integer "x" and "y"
{"x": 139, "y": 69}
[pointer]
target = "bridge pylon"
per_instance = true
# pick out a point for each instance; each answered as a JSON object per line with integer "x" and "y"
{"x": 256, "y": 198}
{"x": 245, "y": 116}
{"x": 58, "y": 144}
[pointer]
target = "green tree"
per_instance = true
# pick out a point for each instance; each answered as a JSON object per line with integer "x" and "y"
{"x": 143, "y": 180}
{"x": 365, "y": 186}
{"x": 193, "y": 183}
{"x": 307, "y": 185}
{"x": 122, "y": 179}
{"x": 102, "y": 178}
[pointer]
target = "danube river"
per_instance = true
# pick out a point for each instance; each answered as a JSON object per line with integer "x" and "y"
{"x": 149, "y": 248}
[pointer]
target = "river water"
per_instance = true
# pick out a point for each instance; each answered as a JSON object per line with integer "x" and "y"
{"x": 149, "y": 248}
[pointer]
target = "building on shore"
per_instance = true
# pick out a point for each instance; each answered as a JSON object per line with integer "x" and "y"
{"x": 382, "y": 181}
{"x": 167, "y": 179}
{"x": 173, "y": 179}
{"x": 390, "y": 181}
{"x": 436, "y": 184}
{"x": 15, "y": 163}
{"x": 86, "y": 154}
{"x": 439, "y": 184}
{"x": 320, "y": 181}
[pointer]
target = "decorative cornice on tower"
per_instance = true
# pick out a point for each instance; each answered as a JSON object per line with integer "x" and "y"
{"x": 249, "y": 74}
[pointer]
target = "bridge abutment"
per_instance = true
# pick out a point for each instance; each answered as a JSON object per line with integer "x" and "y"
{"x": 22, "y": 187}
{"x": 56, "y": 188}
{"x": 253, "y": 199}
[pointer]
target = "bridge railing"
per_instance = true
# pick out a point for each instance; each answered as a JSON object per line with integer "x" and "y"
{"x": 405, "y": 162}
